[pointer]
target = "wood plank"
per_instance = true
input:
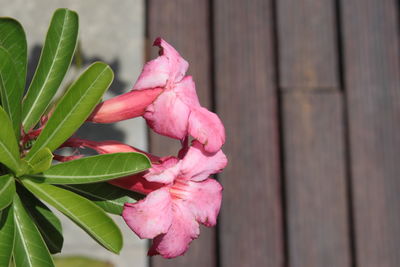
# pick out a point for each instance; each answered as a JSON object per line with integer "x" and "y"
{"x": 317, "y": 218}
{"x": 250, "y": 231}
{"x": 372, "y": 79}
{"x": 185, "y": 25}
{"x": 315, "y": 176}
{"x": 307, "y": 44}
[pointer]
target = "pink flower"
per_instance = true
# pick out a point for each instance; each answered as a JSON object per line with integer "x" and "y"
{"x": 172, "y": 213}
{"x": 167, "y": 100}
{"x": 180, "y": 194}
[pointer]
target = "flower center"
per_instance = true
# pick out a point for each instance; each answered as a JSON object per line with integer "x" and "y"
{"x": 179, "y": 189}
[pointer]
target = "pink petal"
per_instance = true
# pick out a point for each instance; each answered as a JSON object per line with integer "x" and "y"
{"x": 164, "y": 172}
{"x": 151, "y": 216}
{"x": 168, "y": 67}
{"x": 186, "y": 91}
{"x": 185, "y": 148}
{"x": 155, "y": 73}
{"x": 168, "y": 115}
{"x": 206, "y": 127}
{"x": 183, "y": 230}
{"x": 136, "y": 183}
{"x": 178, "y": 65}
{"x": 204, "y": 201}
{"x": 198, "y": 164}
{"x": 125, "y": 106}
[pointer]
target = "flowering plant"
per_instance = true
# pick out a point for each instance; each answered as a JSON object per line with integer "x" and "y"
{"x": 164, "y": 199}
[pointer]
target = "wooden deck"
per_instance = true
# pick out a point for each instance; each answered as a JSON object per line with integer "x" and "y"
{"x": 309, "y": 91}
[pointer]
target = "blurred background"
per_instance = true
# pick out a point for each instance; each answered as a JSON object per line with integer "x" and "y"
{"x": 309, "y": 94}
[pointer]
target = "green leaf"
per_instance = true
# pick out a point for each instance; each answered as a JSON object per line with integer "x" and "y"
{"x": 7, "y": 190}
{"x": 54, "y": 62}
{"x": 13, "y": 40}
{"x": 110, "y": 198}
{"x": 94, "y": 169}
{"x": 46, "y": 221}
{"x": 10, "y": 89}
{"x": 74, "y": 107}
{"x": 29, "y": 250}
{"x": 78, "y": 261}
{"x": 84, "y": 213}
{"x": 9, "y": 151}
{"x": 6, "y": 235}
{"x": 41, "y": 161}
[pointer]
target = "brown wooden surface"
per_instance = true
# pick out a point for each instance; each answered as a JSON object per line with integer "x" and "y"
{"x": 313, "y": 131}
{"x": 250, "y": 229}
{"x": 185, "y": 25}
{"x": 307, "y": 44}
{"x": 315, "y": 179}
{"x": 336, "y": 124}
{"x": 371, "y": 53}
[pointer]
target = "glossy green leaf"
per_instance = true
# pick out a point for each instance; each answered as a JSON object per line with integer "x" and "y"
{"x": 110, "y": 198}
{"x": 53, "y": 64}
{"x": 7, "y": 190}
{"x": 9, "y": 151}
{"x": 6, "y": 235}
{"x": 29, "y": 250}
{"x": 94, "y": 169}
{"x": 46, "y": 221}
{"x": 41, "y": 161}
{"x": 13, "y": 40}
{"x": 10, "y": 89}
{"x": 74, "y": 107}
{"x": 84, "y": 213}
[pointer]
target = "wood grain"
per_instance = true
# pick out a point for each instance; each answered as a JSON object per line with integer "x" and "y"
{"x": 313, "y": 131}
{"x": 185, "y": 25}
{"x": 250, "y": 230}
{"x": 307, "y": 44}
{"x": 315, "y": 175}
{"x": 372, "y": 79}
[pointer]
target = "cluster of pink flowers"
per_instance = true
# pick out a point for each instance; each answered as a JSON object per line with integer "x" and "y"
{"x": 180, "y": 194}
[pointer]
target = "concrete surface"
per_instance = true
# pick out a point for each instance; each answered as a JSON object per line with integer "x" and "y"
{"x": 111, "y": 31}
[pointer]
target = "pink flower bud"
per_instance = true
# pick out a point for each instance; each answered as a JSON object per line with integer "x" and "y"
{"x": 126, "y": 106}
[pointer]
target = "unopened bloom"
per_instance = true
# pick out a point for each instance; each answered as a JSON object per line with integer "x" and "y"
{"x": 172, "y": 213}
{"x": 129, "y": 105}
{"x": 167, "y": 100}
